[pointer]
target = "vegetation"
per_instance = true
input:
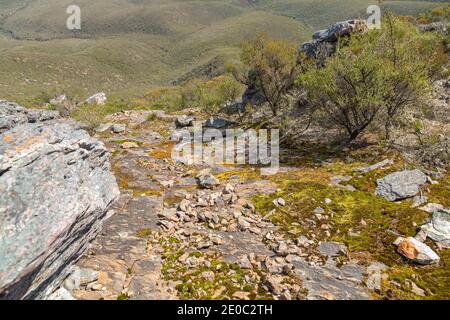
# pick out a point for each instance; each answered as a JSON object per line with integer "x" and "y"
{"x": 374, "y": 77}
{"x": 126, "y": 48}
{"x": 272, "y": 67}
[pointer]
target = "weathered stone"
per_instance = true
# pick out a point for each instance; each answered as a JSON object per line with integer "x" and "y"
{"x": 418, "y": 201}
{"x": 118, "y": 128}
{"x": 279, "y": 202}
{"x": 61, "y": 294}
{"x": 332, "y": 249}
{"x": 12, "y": 114}
{"x": 206, "y": 180}
{"x": 184, "y": 121}
{"x": 439, "y": 228}
{"x": 417, "y": 251}
{"x": 401, "y": 185}
{"x": 375, "y": 166}
{"x": 55, "y": 191}
{"x": 129, "y": 145}
{"x": 98, "y": 99}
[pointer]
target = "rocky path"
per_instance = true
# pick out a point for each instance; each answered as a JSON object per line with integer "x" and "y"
{"x": 169, "y": 238}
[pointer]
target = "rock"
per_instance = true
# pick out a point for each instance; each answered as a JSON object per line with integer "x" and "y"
{"x": 376, "y": 166}
{"x": 274, "y": 283}
{"x": 438, "y": 27}
{"x": 184, "y": 121}
{"x": 401, "y": 185}
{"x": 417, "y": 251}
{"x": 206, "y": 180}
{"x": 12, "y": 114}
{"x": 319, "y": 210}
{"x": 59, "y": 100}
{"x": 245, "y": 263}
{"x": 118, "y": 128}
{"x": 418, "y": 201}
{"x": 243, "y": 224}
{"x": 328, "y": 201}
{"x": 61, "y": 294}
{"x": 325, "y": 41}
{"x": 55, "y": 191}
{"x": 439, "y": 228}
{"x": 129, "y": 145}
{"x": 217, "y": 123}
{"x": 98, "y": 99}
{"x": 208, "y": 275}
{"x": 376, "y": 274}
{"x": 415, "y": 288}
{"x": 104, "y": 127}
{"x": 279, "y": 202}
{"x": 302, "y": 241}
{"x": 332, "y": 249}
{"x": 432, "y": 207}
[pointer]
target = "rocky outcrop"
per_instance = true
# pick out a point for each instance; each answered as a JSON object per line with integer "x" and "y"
{"x": 55, "y": 192}
{"x": 401, "y": 185}
{"x": 324, "y": 42}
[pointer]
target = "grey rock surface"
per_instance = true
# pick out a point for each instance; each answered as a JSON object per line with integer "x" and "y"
{"x": 439, "y": 227}
{"x": 55, "y": 191}
{"x": 332, "y": 249}
{"x": 401, "y": 185}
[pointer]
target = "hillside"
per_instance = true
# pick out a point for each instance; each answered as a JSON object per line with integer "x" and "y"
{"x": 127, "y": 46}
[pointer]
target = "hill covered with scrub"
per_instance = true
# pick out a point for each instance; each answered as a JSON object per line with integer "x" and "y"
{"x": 126, "y": 47}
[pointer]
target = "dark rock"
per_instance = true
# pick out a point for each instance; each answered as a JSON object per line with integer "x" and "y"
{"x": 55, "y": 190}
{"x": 324, "y": 42}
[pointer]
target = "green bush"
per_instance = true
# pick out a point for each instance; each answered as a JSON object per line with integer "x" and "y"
{"x": 374, "y": 77}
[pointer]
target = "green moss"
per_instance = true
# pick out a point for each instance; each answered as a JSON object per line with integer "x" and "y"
{"x": 123, "y": 296}
{"x": 144, "y": 233}
{"x": 366, "y": 223}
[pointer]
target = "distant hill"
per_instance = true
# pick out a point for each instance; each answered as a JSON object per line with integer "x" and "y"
{"x": 127, "y": 46}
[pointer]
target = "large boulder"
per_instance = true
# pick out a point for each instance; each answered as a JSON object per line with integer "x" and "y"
{"x": 324, "y": 42}
{"x": 56, "y": 189}
{"x": 401, "y": 185}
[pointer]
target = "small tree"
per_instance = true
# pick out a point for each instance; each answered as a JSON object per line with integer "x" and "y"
{"x": 375, "y": 76}
{"x": 272, "y": 66}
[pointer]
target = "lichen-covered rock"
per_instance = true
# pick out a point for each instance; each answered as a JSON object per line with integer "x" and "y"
{"x": 417, "y": 251}
{"x": 401, "y": 185}
{"x": 55, "y": 191}
{"x": 439, "y": 228}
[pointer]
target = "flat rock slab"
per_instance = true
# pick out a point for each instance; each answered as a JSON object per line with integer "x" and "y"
{"x": 401, "y": 185}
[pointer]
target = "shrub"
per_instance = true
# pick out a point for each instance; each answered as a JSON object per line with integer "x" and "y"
{"x": 374, "y": 77}
{"x": 271, "y": 66}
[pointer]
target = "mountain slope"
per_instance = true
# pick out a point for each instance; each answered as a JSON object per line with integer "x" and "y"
{"x": 127, "y": 46}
